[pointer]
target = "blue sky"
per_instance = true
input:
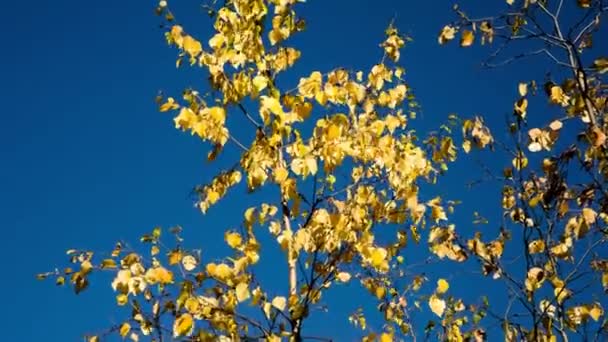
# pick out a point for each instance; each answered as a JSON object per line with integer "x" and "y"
{"x": 87, "y": 159}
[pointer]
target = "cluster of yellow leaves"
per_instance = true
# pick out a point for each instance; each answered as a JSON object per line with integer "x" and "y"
{"x": 544, "y": 139}
{"x": 212, "y": 193}
{"x": 477, "y": 132}
{"x": 489, "y": 253}
{"x": 467, "y": 37}
{"x": 580, "y": 314}
{"x": 443, "y": 242}
{"x": 208, "y": 123}
{"x": 393, "y": 44}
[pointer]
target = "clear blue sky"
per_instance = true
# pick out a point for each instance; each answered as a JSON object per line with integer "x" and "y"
{"x": 86, "y": 159}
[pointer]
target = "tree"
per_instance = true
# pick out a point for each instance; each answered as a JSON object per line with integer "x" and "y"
{"x": 346, "y": 174}
{"x": 555, "y": 204}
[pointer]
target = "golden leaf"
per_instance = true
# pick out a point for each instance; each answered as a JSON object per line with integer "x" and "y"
{"x": 175, "y": 256}
{"x": 159, "y": 275}
{"x": 343, "y": 277}
{"x": 169, "y": 105}
{"x": 596, "y": 311}
{"x": 601, "y": 65}
{"x": 442, "y": 286}
{"x": 534, "y": 279}
{"x": 437, "y": 305}
{"x": 108, "y": 263}
{"x": 260, "y": 83}
{"x": 556, "y": 125}
{"x": 183, "y": 325}
{"x": 561, "y": 293}
{"x": 279, "y": 303}
{"x": 378, "y": 257}
{"x": 386, "y": 337}
{"x": 467, "y": 38}
{"x": 557, "y": 96}
{"x": 122, "y": 299}
{"x": 447, "y": 33}
{"x": 536, "y": 246}
{"x": 124, "y": 329}
{"x": 233, "y": 239}
{"x": 192, "y": 46}
{"x": 189, "y": 262}
{"x": 520, "y": 161}
{"x": 520, "y": 107}
{"x": 242, "y": 292}
{"x": 523, "y": 89}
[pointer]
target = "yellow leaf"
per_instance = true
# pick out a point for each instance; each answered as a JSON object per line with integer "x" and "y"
{"x": 521, "y": 107}
{"x": 467, "y": 38}
{"x": 442, "y": 286}
{"x": 589, "y": 216}
{"x": 558, "y": 96}
{"x": 520, "y": 161}
{"x": 183, "y": 325}
{"x": 175, "y": 256}
{"x": 343, "y": 277}
{"x": 260, "y": 83}
{"x": 561, "y": 293}
{"x": 280, "y": 175}
{"x": 159, "y": 275}
{"x": 333, "y": 131}
{"x": 304, "y": 166}
{"x": 216, "y": 41}
{"x": 534, "y": 279}
{"x": 124, "y": 329}
{"x": 221, "y": 271}
{"x": 169, "y": 105}
{"x": 601, "y": 65}
{"x": 93, "y": 339}
{"x": 186, "y": 119}
{"x": 386, "y": 337}
{"x": 233, "y": 239}
{"x": 466, "y": 146}
{"x": 242, "y": 292}
{"x": 122, "y": 299}
{"x": 555, "y": 125}
{"x": 108, "y": 263}
{"x": 271, "y": 104}
{"x": 378, "y": 257}
{"x": 596, "y": 311}
{"x": 536, "y": 246}
{"x": 218, "y": 114}
{"x": 447, "y": 33}
{"x": 311, "y": 86}
{"x": 249, "y": 217}
{"x": 523, "y": 89}
{"x": 189, "y": 262}
{"x": 437, "y": 305}
{"x": 279, "y": 303}
{"x": 192, "y": 46}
